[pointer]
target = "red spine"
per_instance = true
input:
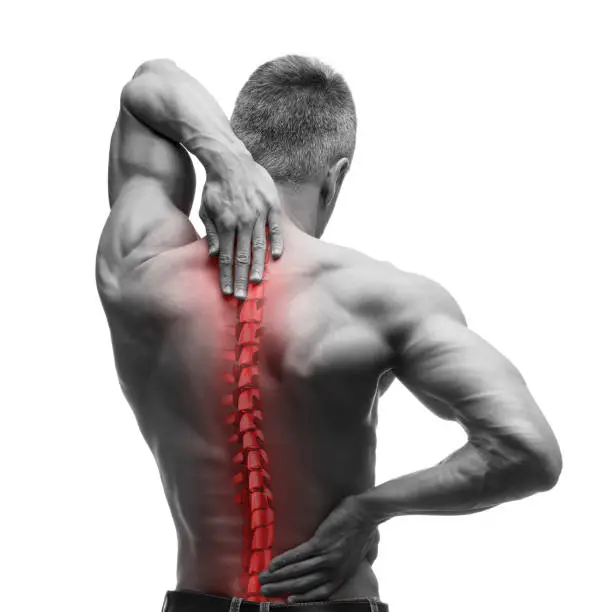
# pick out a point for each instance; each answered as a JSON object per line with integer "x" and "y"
{"x": 249, "y": 456}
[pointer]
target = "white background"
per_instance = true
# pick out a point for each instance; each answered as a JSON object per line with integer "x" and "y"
{"x": 483, "y": 161}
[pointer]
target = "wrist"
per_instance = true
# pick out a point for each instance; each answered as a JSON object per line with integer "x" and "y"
{"x": 366, "y": 510}
{"x": 222, "y": 156}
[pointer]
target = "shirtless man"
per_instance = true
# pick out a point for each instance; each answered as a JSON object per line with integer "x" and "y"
{"x": 259, "y": 401}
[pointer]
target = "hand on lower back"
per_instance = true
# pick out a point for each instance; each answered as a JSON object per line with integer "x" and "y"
{"x": 315, "y": 569}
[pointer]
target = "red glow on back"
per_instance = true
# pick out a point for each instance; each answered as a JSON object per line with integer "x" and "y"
{"x": 245, "y": 417}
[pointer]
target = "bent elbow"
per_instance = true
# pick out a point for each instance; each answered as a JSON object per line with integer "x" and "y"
{"x": 526, "y": 469}
{"x": 155, "y": 65}
{"x": 553, "y": 466}
{"x": 547, "y": 468}
{"x": 147, "y": 80}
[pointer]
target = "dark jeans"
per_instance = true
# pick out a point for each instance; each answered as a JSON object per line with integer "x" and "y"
{"x": 192, "y": 601}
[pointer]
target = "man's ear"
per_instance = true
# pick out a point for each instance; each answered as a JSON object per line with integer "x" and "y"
{"x": 332, "y": 184}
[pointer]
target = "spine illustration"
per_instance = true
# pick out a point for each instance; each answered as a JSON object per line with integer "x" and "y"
{"x": 245, "y": 417}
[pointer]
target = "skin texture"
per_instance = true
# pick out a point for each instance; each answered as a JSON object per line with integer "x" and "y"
{"x": 337, "y": 328}
{"x": 319, "y": 427}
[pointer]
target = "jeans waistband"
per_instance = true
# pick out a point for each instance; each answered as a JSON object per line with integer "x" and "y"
{"x": 194, "y": 601}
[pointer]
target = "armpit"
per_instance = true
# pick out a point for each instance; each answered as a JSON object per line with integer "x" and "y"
{"x": 385, "y": 381}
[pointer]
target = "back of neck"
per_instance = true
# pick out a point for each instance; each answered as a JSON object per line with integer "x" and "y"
{"x": 299, "y": 207}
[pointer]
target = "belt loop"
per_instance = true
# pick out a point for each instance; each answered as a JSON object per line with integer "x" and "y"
{"x": 235, "y": 604}
{"x": 373, "y": 605}
{"x": 264, "y": 606}
{"x": 165, "y": 604}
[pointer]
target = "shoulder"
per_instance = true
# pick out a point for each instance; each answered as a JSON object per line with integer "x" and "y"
{"x": 165, "y": 284}
{"x": 380, "y": 289}
{"x": 396, "y": 305}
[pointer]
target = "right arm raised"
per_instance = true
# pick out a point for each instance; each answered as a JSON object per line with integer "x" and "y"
{"x": 511, "y": 450}
{"x": 165, "y": 109}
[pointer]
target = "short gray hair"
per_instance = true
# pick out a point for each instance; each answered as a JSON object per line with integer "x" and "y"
{"x": 296, "y": 116}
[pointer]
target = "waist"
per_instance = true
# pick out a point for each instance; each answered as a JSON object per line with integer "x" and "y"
{"x": 185, "y": 600}
{"x": 220, "y": 575}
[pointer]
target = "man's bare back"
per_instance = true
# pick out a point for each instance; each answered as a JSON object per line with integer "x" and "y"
{"x": 337, "y": 327}
{"x": 321, "y": 357}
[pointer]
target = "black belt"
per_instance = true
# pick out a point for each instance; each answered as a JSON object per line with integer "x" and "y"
{"x": 193, "y": 601}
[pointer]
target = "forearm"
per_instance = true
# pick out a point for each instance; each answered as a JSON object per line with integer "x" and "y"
{"x": 464, "y": 483}
{"x": 177, "y": 106}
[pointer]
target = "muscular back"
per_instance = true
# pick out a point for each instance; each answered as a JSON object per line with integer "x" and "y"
{"x": 334, "y": 327}
{"x": 321, "y": 354}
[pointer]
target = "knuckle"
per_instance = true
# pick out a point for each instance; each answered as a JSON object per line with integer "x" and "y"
{"x": 225, "y": 259}
{"x": 245, "y": 218}
{"x": 210, "y": 202}
{"x": 259, "y": 244}
{"x": 225, "y": 219}
{"x": 242, "y": 257}
{"x": 226, "y": 224}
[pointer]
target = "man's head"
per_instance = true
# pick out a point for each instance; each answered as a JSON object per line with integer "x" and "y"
{"x": 297, "y": 118}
